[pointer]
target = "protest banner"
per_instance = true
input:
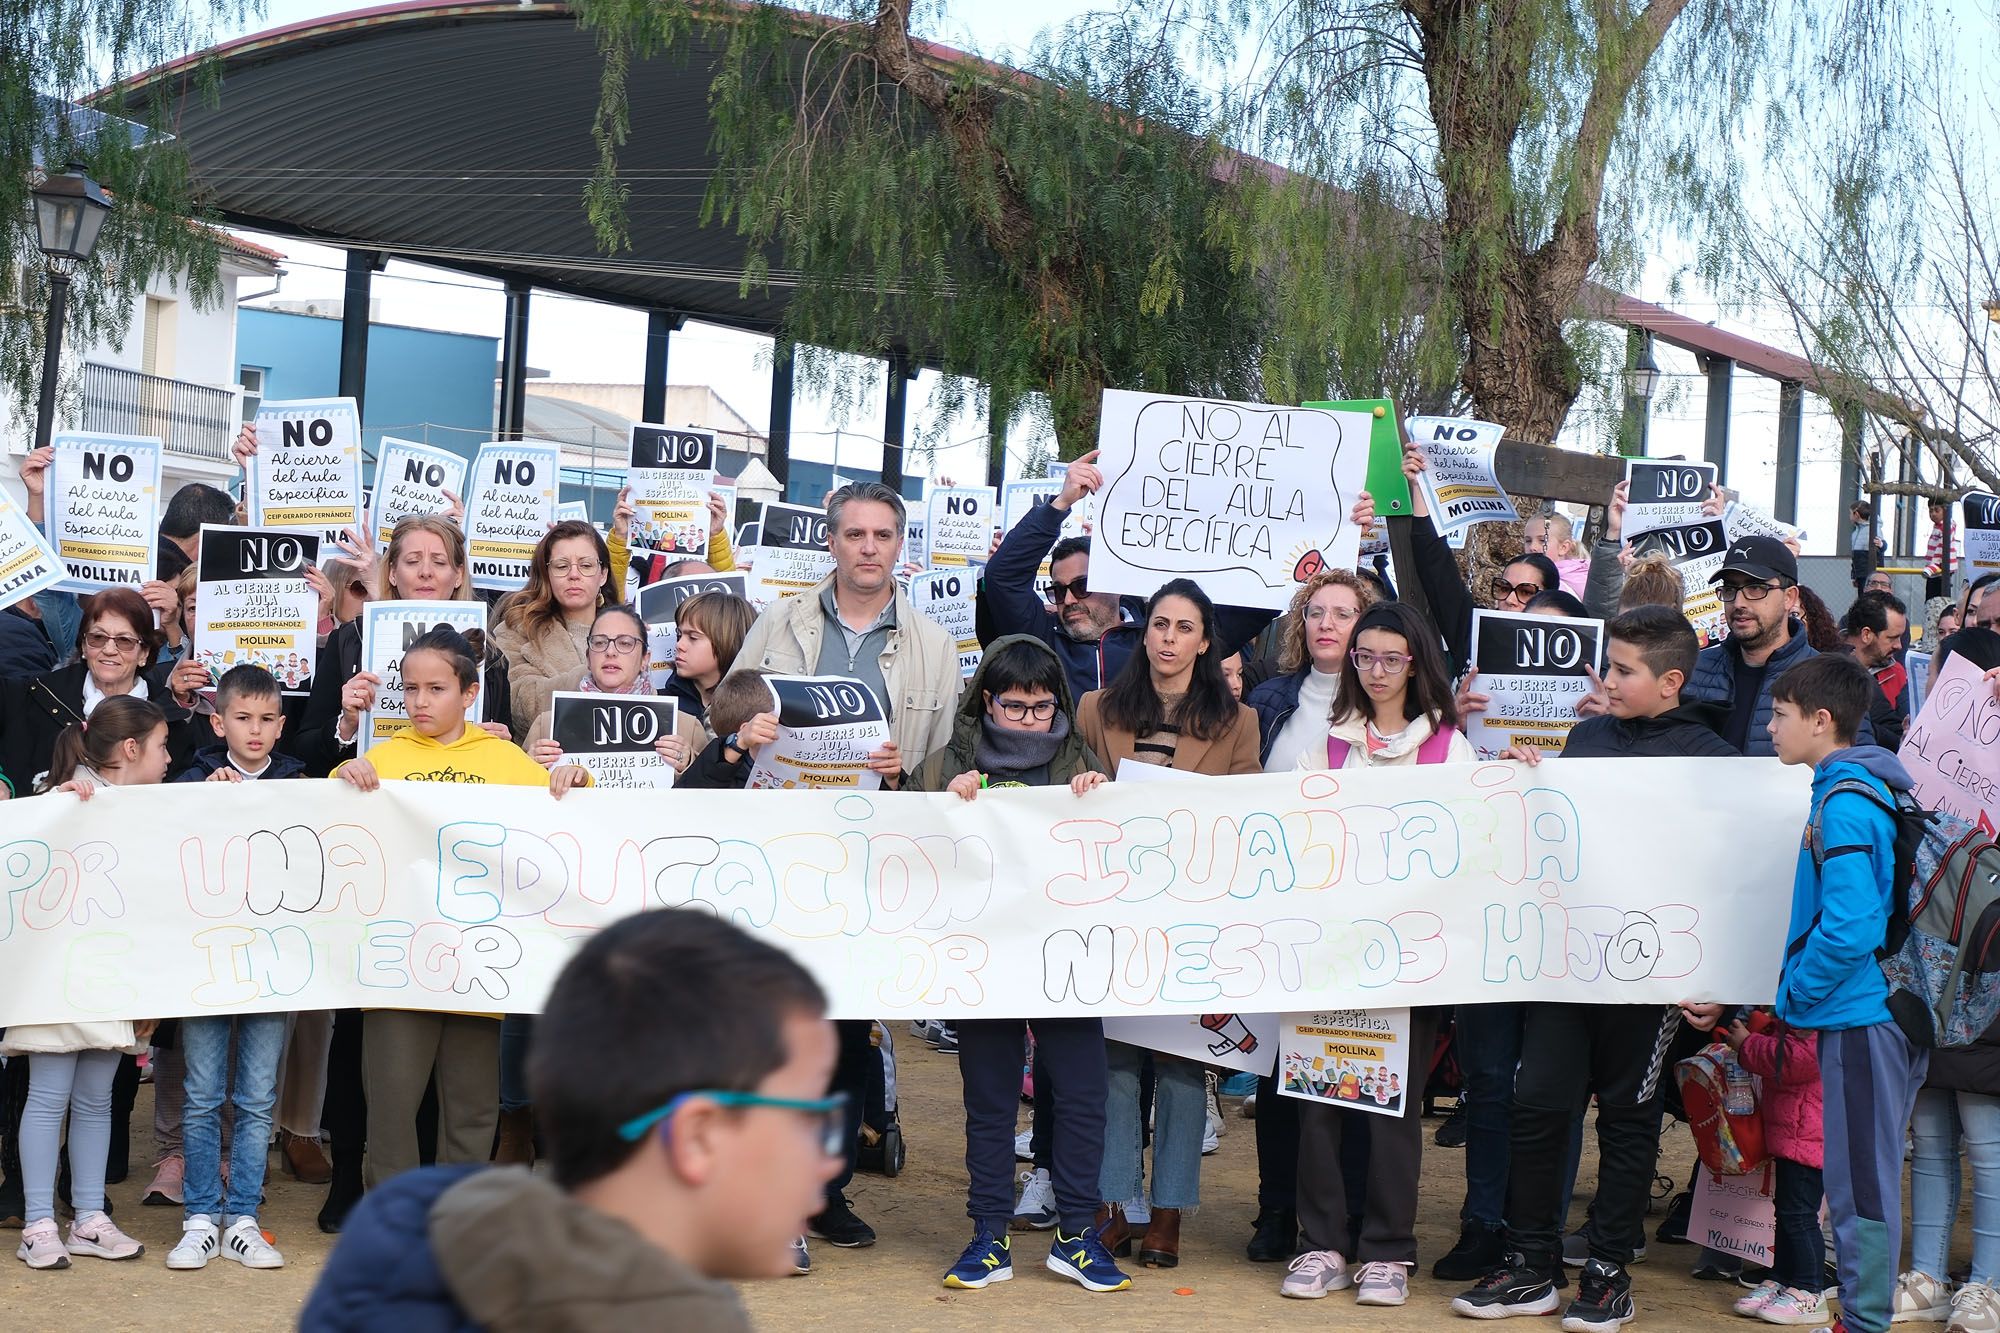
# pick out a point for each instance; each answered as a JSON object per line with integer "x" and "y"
{"x": 659, "y": 606}
{"x": 791, "y": 554}
{"x": 959, "y": 526}
{"x": 1248, "y": 1042}
{"x": 1460, "y": 486}
{"x": 1354, "y": 1058}
{"x": 671, "y": 471}
{"x": 1249, "y": 500}
{"x": 1664, "y": 494}
{"x": 306, "y": 473}
{"x": 511, "y": 508}
{"x": 827, "y": 727}
{"x": 1735, "y": 1215}
{"x": 27, "y": 563}
{"x": 386, "y": 629}
{"x": 1534, "y": 671}
{"x": 412, "y": 479}
{"x": 253, "y": 604}
{"x": 1697, "y": 551}
{"x": 1376, "y": 888}
{"x": 1952, "y": 748}
{"x": 102, "y": 508}
{"x": 1980, "y": 522}
{"x": 946, "y": 596}
{"x": 612, "y": 736}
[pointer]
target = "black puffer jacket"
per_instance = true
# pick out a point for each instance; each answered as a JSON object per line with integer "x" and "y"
{"x": 1690, "y": 730}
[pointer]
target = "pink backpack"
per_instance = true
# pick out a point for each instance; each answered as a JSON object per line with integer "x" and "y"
{"x": 1433, "y": 751}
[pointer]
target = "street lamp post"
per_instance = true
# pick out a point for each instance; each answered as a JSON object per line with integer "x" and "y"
{"x": 69, "y": 212}
{"x": 1645, "y": 379}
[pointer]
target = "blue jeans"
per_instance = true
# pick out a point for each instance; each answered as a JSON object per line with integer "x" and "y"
{"x": 1180, "y": 1116}
{"x": 1940, "y": 1118}
{"x": 259, "y": 1042}
{"x": 1800, "y": 1251}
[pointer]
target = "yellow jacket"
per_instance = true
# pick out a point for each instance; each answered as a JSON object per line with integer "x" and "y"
{"x": 476, "y": 756}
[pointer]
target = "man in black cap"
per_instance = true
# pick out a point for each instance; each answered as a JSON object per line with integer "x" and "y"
{"x": 1759, "y": 587}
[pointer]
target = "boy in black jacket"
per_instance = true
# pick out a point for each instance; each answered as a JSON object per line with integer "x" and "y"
{"x": 1650, "y": 654}
{"x": 739, "y": 713}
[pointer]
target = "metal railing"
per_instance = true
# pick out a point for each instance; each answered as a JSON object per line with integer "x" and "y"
{"x": 194, "y": 419}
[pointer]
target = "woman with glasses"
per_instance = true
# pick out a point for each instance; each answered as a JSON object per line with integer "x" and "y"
{"x": 1393, "y": 708}
{"x": 542, "y": 628}
{"x": 616, "y": 663}
{"x": 117, "y": 644}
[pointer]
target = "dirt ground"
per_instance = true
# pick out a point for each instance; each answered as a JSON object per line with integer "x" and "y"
{"x": 920, "y": 1216}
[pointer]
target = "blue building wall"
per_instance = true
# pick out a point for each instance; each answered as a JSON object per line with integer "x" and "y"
{"x": 810, "y": 481}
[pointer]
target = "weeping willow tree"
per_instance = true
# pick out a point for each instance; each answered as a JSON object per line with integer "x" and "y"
{"x": 54, "y": 56}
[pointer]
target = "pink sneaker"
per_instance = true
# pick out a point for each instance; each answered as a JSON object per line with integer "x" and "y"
{"x": 96, "y": 1235}
{"x": 169, "y": 1183}
{"x": 1761, "y": 1295}
{"x": 41, "y": 1245}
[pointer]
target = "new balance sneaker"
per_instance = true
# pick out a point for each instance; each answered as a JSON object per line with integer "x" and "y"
{"x": 837, "y": 1225}
{"x": 986, "y": 1260}
{"x": 168, "y": 1187}
{"x": 1792, "y": 1306}
{"x": 244, "y": 1242}
{"x": 96, "y": 1235}
{"x": 1512, "y": 1289}
{"x": 200, "y": 1241}
{"x": 1603, "y": 1300}
{"x": 41, "y": 1245}
{"x": 1037, "y": 1209}
{"x": 1083, "y": 1259}
{"x": 1381, "y": 1284}
{"x": 1920, "y": 1298}
{"x": 802, "y": 1260}
{"x": 1315, "y": 1273}
{"x": 1975, "y": 1308}
{"x": 1760, "y": 1296}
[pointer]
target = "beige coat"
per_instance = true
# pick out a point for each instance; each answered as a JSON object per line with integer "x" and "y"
{"x": 540, "y": 664}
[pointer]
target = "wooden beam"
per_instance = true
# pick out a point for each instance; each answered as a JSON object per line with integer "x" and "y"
{"x": 1557, "y": 474}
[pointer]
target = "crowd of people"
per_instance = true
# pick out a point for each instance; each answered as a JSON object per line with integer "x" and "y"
{"x": 713, "y": 1147}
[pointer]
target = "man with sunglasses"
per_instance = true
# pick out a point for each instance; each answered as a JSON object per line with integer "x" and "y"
{"x": 681, "y": 1067}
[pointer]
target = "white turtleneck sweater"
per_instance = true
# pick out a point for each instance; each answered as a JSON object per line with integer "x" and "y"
{"x": 1307, "y": 725}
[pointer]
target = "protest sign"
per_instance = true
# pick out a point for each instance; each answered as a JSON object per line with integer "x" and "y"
{"x": 659, "y": 606}
{"x": 27, "y": 564}
{"x": 612, "y": 736}
{"x": 102, "y": 508}
{"x": 945, "y": 596}
{"x": 959, "y": 526}
{"x": 1248, "y": 1042}
{"x": 306, "y": 473}
{"x": 1952, "y": 748}
{"x": 1742, "y": 520}
{"x": 671, "y": 473}
{"x": 386, "y": 629}
{"x": 1248, "y": 500}
{"x": 1354, "y": 1058}
{"x": 916, "y": 540}
{"x": 412, "y": 479}
{"x": 511, "y": 507}
{"x": 1373, "y": 888}
{"x": 1735, "y": 1215}
{"x": 1082, "y": 514}
{"x": 253, "y": 604}
{"x": 1918, "y": 664}
{"x": 791, "y": 554}
{"x": 827, "y": 727}
{"x": 1664, "y": 494}
{"x": 1459, "y": 483}
{"x": 1533, "y": 670}
{"x": 572, "y": 511}
{"x": 1018, "y": 497}
{"x": 1981, "y": 524}
{"x": 1697, "y": 551}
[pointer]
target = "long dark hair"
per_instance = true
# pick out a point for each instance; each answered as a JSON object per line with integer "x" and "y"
{"x": 1131, "y": 704}
{"x": 1429, "y": 693}
{"x": 535, "y": 607}
{"x": 121, "y": 718}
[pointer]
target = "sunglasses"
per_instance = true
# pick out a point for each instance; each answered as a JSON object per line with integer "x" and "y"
{"x": 1077, "y": 588}
{"x": 1502, "y": 589}
{"x": 830, "y": 1112}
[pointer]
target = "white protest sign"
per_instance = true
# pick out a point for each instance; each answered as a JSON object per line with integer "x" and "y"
{"x": 572, "y": 511}
{"x": 511, "y": 507}
{"x": 959, "y": 525}
{"x": 1980, "y": 523}
{"x": 27, "y": 563}
{"x": 1736, "y": 1215}
{"x": 1017, "y": 498}
{"x": 1664, "y": 494}
{"x": 411, "y": 480}
{"x": 672, "y": 471}
{"x": 1248, "y": 1042}
{"x": 1534, "y": 670}
{"x": 1952, "y": 748}
{"x": 1460, "y": 486}
{"x": 1742, "y": 520}
{"x": 1353, "y": 1058}
{"x": 1372, "y": 888}
{"x": 791, "y": 554}
{"x": 945, "y": 596}
{"x": 253, "y": 605}
{"x": 1918, "y": 664}
{"x": 612, "y": 736}
{"x": 102, "y": 508}
{"x": 1696, "y": 550}
{"x": 827, "y": 727}
{"x": 659, "y": 606}
{"x": 1247, "y": 500}
{"x": 386, "y": 629}
{"x": 306, "y": 473}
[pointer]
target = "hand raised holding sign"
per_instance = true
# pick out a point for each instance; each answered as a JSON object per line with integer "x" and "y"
{"x": 758, "y": 732}
{"x": 886, "y": 760}
{"x": 244, "y": 446}
{"x": 622, "y": 514}
{"x": 1081, "y": 479}
{"x": 718, "y": 513}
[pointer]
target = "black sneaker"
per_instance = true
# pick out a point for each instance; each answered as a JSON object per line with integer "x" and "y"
{"x": 1715, "y": 1266}
{"x": 1479, "y": 1251}
{"x": 1673, "y": 1228}
{"x": 1603, "y": 1300}
{"x": 837, "y": 1225}
{"x": 1509, "y": 1290}
{"x": 1451, "y": 1134}
{"x": 1277, "y": 1238}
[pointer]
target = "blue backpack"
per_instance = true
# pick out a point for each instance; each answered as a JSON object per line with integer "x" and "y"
{"x": 1939, "y": 952}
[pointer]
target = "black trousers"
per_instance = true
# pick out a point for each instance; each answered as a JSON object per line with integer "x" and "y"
{"x": 1042, "y": 1121}
{"x": 851, "y": 1075}
{"x": 344, "y": 1113}
{"x": 1277, "y": 1148}
{"x": 1395, "y": 1160}
{"x": 1069, "y": 1055}
{"x": 1568, "y": 1052}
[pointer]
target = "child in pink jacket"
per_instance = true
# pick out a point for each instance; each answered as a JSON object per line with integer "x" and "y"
{"x": 1785, "y": 1059}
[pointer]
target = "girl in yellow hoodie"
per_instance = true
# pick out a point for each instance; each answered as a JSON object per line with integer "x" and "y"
{"x": 400, "y": 1049}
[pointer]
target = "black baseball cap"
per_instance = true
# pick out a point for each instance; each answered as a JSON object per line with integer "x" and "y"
{"x": 1761, "y": 558}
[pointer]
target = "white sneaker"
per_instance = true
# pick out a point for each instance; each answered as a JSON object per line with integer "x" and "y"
{"x": 244, "y": 1242}
{"x": 1975, "y": 1308}
{"x": 1210, "y": 1141}
{"x": 1037, "y": 1209}
{"x": 1024, "y": 1146}
{"x": 1315, "y": 1273}
{"x": 199, "y": 1243}
{"x": 1920, "y": 1298}
{"x": 1216, "y": 1126}
{"x": 96, "y": 1235}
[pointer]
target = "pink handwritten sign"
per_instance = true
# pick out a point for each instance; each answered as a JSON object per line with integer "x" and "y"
{"x": 1734, "y": 1214}
{"x": 1953, "y": 746}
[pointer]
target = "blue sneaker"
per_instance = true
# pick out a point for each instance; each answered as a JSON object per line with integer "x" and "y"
{"x": 1083, "y": 1259}
{"x": 985, "y": 1260}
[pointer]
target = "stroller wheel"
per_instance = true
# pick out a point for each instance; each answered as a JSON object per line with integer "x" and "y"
{"x": 892, "y": 1150}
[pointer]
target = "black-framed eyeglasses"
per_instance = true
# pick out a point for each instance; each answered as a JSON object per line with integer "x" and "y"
{"x": 604, "y": 643}
{"x": 1502, "y": 589}
{"x": 831, "y": 1113}
{"x": 1079, "y": 588}
{"x": 1749, "y": 592}
{"x": 1017, "y": 711}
